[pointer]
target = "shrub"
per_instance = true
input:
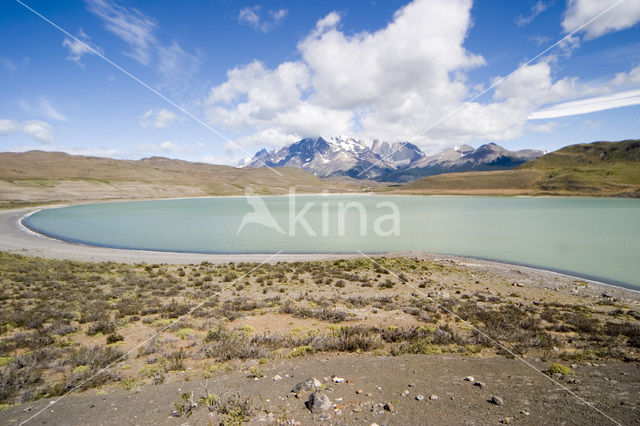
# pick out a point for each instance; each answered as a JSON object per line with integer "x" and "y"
{"x": 113, "y": 338}
{"x": 101, "y": 326}
{"x": 224, "y": 345}
{"x": 301, "y": 351}
{"x": 256, "y": 372}
{"x": 560, "y": 369}
{"x": 183, "y": 333}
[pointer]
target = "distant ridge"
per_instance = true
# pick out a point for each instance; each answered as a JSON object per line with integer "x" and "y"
{"x": 595, "y": 169}
{"x": 384, "y": 162}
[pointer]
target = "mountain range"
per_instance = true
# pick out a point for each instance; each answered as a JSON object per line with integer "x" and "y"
{"x": 384, "y": 162}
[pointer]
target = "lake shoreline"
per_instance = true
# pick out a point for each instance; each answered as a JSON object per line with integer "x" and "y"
{"x": 20, "y": 239}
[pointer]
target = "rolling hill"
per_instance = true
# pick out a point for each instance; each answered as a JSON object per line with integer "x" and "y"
{"x": 594, "y": 169}
{"x": 38, "y": 176}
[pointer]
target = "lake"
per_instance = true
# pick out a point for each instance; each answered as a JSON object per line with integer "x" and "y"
{"x": 595, "y": 238}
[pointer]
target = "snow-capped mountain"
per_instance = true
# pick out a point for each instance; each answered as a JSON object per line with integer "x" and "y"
{"x": 323, "y": 157}
{"x": 397, "y": 162}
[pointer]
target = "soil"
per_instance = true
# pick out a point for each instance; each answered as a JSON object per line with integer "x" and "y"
{"x": 529, "y": 396}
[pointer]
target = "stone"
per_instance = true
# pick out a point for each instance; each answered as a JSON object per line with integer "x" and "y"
{"x": 420, "y": 397}
{"x": 277, "y": 377}
{"x": 469, "y": 379}
{"x": 481, "y": 385}
{"x": 405, "y": 393}
{"x": 496, "y": 400}
{"x": 412, "y": 385}
{"x": 337, "y": 379}
{"x": 389, "y": 407}
{"x": 318, "y": 402}
{"x": 433, "y": 397}
{"x": 307, "y": 385}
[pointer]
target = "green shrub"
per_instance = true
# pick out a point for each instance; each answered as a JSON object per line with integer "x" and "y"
{"x": 560, "y": 369}
{"x": 301, "y": 351}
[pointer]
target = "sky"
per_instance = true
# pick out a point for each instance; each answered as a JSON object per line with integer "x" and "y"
{"x": 216, "y": 81}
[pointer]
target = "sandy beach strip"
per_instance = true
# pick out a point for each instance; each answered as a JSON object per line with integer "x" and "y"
{"x": 15, "y": 238}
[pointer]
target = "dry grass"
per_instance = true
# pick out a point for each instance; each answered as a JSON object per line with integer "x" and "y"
{"x": 62, "y": 321}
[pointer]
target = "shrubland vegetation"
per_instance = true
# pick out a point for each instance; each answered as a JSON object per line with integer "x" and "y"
{"x": 61, "y": 322}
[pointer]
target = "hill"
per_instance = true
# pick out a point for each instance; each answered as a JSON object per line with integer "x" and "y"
{"x": 594, "y": 169}
{"x": 38, "y": 176}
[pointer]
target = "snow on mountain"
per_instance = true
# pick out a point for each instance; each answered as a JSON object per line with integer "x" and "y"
{"x": 400, "y": 161}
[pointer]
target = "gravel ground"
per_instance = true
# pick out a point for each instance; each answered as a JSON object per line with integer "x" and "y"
{"x": 371, "y": 382}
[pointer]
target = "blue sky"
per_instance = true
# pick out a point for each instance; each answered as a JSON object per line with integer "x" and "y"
{"x": 263, "y": 74}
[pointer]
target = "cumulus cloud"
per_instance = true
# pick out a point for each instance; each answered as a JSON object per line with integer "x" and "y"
{"x": 395, "y": 84}
{"x": 170, "y": 147}
{"x": 389, "y": 82}
{"x": 8, "y": 126}
{"x": 623, "y": 15}
{"x": 40, "y": 131}
{"x": 158, "y": 119}
{"x": 79, "y": 47}
{"x": 252, "y": 16}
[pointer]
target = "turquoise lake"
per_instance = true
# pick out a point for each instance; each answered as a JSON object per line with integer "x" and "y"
{"x": 589, "y": 237}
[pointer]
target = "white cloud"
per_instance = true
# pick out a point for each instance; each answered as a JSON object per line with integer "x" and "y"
{"x": 128, "y": 24}
{"x": 38, "y": 130}
{"x": 540, "y": 39}
{"x": 50, "y": 111}
{"x": 42, "y": 107}
{"x": 165, "y": 147}
{"x": 585, "y": 106}
{"x": 170, "y": 147}
{"x": 537, "y": 8}
{"x": 176, "y": 65}
{"x": 79, "y": 47}
{"x": 8, "y": 126}
{"x": 158, "y": 119}
{"x": 627, "y": 78}
{"x": 624, "y": 15}
{"x": 390, "y": 84}
{"x": 251, "y": 16}
{"x": 228, "y": 160}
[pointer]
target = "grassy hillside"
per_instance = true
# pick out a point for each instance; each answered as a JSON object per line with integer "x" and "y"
{"x": 599, "y": 168}
{"x": 37, "y": 176}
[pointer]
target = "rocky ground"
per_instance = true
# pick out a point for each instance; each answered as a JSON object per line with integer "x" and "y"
{"x": 409, "y": 389}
